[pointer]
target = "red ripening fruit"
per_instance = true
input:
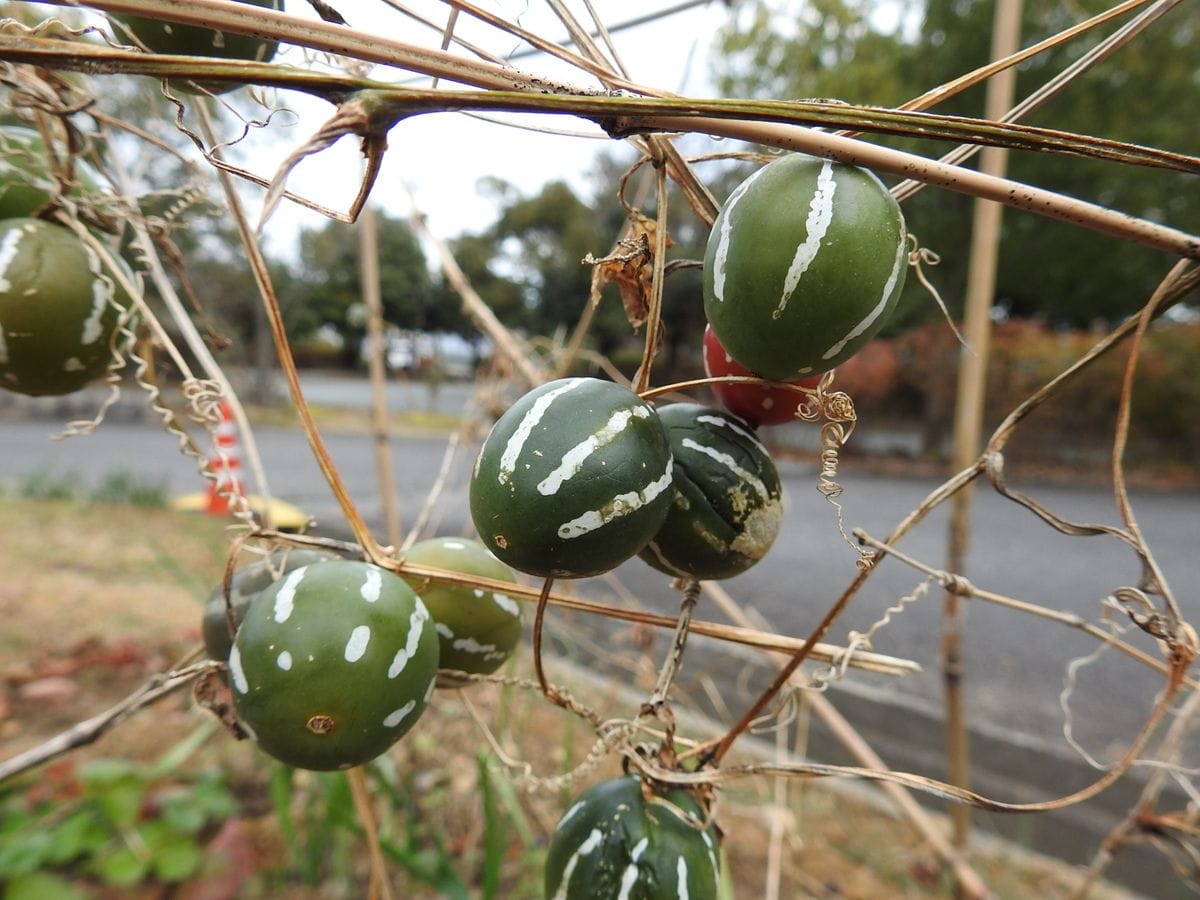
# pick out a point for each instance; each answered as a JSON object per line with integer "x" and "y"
{"x": 757, "y": 404}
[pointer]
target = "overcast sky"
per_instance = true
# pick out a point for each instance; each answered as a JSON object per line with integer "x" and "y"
{"x": 443, "y": 156}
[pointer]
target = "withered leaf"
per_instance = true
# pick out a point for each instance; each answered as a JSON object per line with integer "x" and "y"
{"x": 630, "y": 268}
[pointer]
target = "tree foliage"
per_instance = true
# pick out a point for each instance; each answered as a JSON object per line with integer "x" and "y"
{"x": 529, "y": 266}
{"x": 846, "y": 49}
{"x": 543, "y": 240}
{"x": 329, "y": 282}
{"x": 546, "y": 238}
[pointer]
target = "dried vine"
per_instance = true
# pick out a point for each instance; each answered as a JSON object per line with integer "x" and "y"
{"x": 370, "y": 109}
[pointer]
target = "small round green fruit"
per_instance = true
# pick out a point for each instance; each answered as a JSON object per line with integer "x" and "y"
{"x": 333, "y": 664}
{"x": 727, "y": 508}
{"x": 58, "y": 310}
{"x": 248, "y": 582}
{"x": 573, "y": 479}
{"x": 172, "y": 38}
{"x": 26, "y": 180}
{"x": 477, "y": 629}
{"x": 623, "y": 841}
{"x": 804, "y": 265}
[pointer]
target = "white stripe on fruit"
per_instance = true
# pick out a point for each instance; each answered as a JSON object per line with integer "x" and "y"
{"x": 820, "y": 216}
{"x": 516, "y": 442}
{"x": 724, "y": 459}
{"x": 573, "y": 460}
{"x": 888, "y": 288}
{"x": 619, "y": 506}
{"x": 722, "y": 254}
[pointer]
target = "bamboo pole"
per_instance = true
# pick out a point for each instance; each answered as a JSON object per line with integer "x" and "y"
{"x": 968, "y": 412}
{"x": 368, "y": 266}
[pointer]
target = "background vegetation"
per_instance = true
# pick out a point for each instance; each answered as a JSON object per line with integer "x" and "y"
{"x": 1057, "y": 284}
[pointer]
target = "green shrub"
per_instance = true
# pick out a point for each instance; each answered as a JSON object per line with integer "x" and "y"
{"x": 124, "y": 487}
{"x": 913, "y": 377}
{"x": 110, "y": 821}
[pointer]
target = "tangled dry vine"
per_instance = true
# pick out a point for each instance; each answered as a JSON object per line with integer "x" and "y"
{"x": 649, "y": 740}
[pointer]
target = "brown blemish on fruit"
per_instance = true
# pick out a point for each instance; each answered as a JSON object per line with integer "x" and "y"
{"x": 320, "y": 724}
{"x": 759, "y": 530}
{"x": 741, "y": 502}
{"x": 500, "y": 541}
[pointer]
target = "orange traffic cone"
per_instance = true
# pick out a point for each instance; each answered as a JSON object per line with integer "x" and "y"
{"x": 225, "y": 464}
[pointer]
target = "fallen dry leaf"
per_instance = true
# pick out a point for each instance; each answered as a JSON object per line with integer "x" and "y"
{"x": 52, "y": 691}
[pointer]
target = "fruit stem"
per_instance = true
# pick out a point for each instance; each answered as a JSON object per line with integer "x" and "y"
{"x": 548, "y": 690}
{"x": 654, "y": 314}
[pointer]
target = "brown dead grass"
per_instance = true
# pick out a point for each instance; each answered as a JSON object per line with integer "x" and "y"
{"x": 103, "y": 597}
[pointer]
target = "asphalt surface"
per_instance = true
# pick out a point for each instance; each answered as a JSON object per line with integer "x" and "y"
{"x": 1016, "y": 664}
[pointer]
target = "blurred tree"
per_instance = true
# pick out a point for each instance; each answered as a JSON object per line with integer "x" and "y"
{"x": 882, "y": 54}
{"x": 476, "y": 255}
{"x": 221, "y": 280}
{"x": 529, "y": 265}
{"x": 329, "y": 288}
{"x": 543, "y": 240}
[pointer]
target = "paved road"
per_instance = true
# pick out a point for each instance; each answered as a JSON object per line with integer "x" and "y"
{"x": 1015, "y": 663}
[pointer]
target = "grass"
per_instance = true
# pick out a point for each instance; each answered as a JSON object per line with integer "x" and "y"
{"x": 107, "y": 595}
{"x": 119, "y": 487}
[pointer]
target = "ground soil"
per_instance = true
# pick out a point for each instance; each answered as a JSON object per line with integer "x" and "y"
{"x": 97, "y": 599}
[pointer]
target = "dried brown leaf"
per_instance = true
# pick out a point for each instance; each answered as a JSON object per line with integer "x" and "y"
{"x": 630, "y": 267}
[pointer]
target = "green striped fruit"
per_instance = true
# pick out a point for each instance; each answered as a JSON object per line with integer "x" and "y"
{"x": 804, "y": 265}
{"x": 333, "y": 664}
{"x": 727, "y": 509}
{"x": 26, "y": 180}
{"x": 573, "y": 479}
{"x": 192, "y": 40}
{"x": 58, "y": 310}
{"x": 477, "y": 629}
{"x": 621, "y": 841}
{"x": 248, "y": 582}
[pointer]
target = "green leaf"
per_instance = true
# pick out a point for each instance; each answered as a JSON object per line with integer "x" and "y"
{"x": 80, "y": 834}
{"x": 280, "y": 787}
{"x": 432, "y": 866}
{"x": 725, "y": 880}
{"x": 116, "y": 787}
{"x": 495, "y": 836}
{"x": 42, "y": 886}
{"x": 212, "y": 795}
{"x": 121, "y": 801}
{"x": 172, "y": 761}
{"x": 339, "y": 802}
{"x": 176, "y": 859}
{"x": 103, "y": 771}
{"x": 26, "y": 852}
{"x": 188, "y": 808}
{"x": 122, "y": 869}
{"x": 501, "y": 784}
{"x": 154, "y": 835}
{"x": 15, "y": 821}
{"x": 182, "y": 815}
